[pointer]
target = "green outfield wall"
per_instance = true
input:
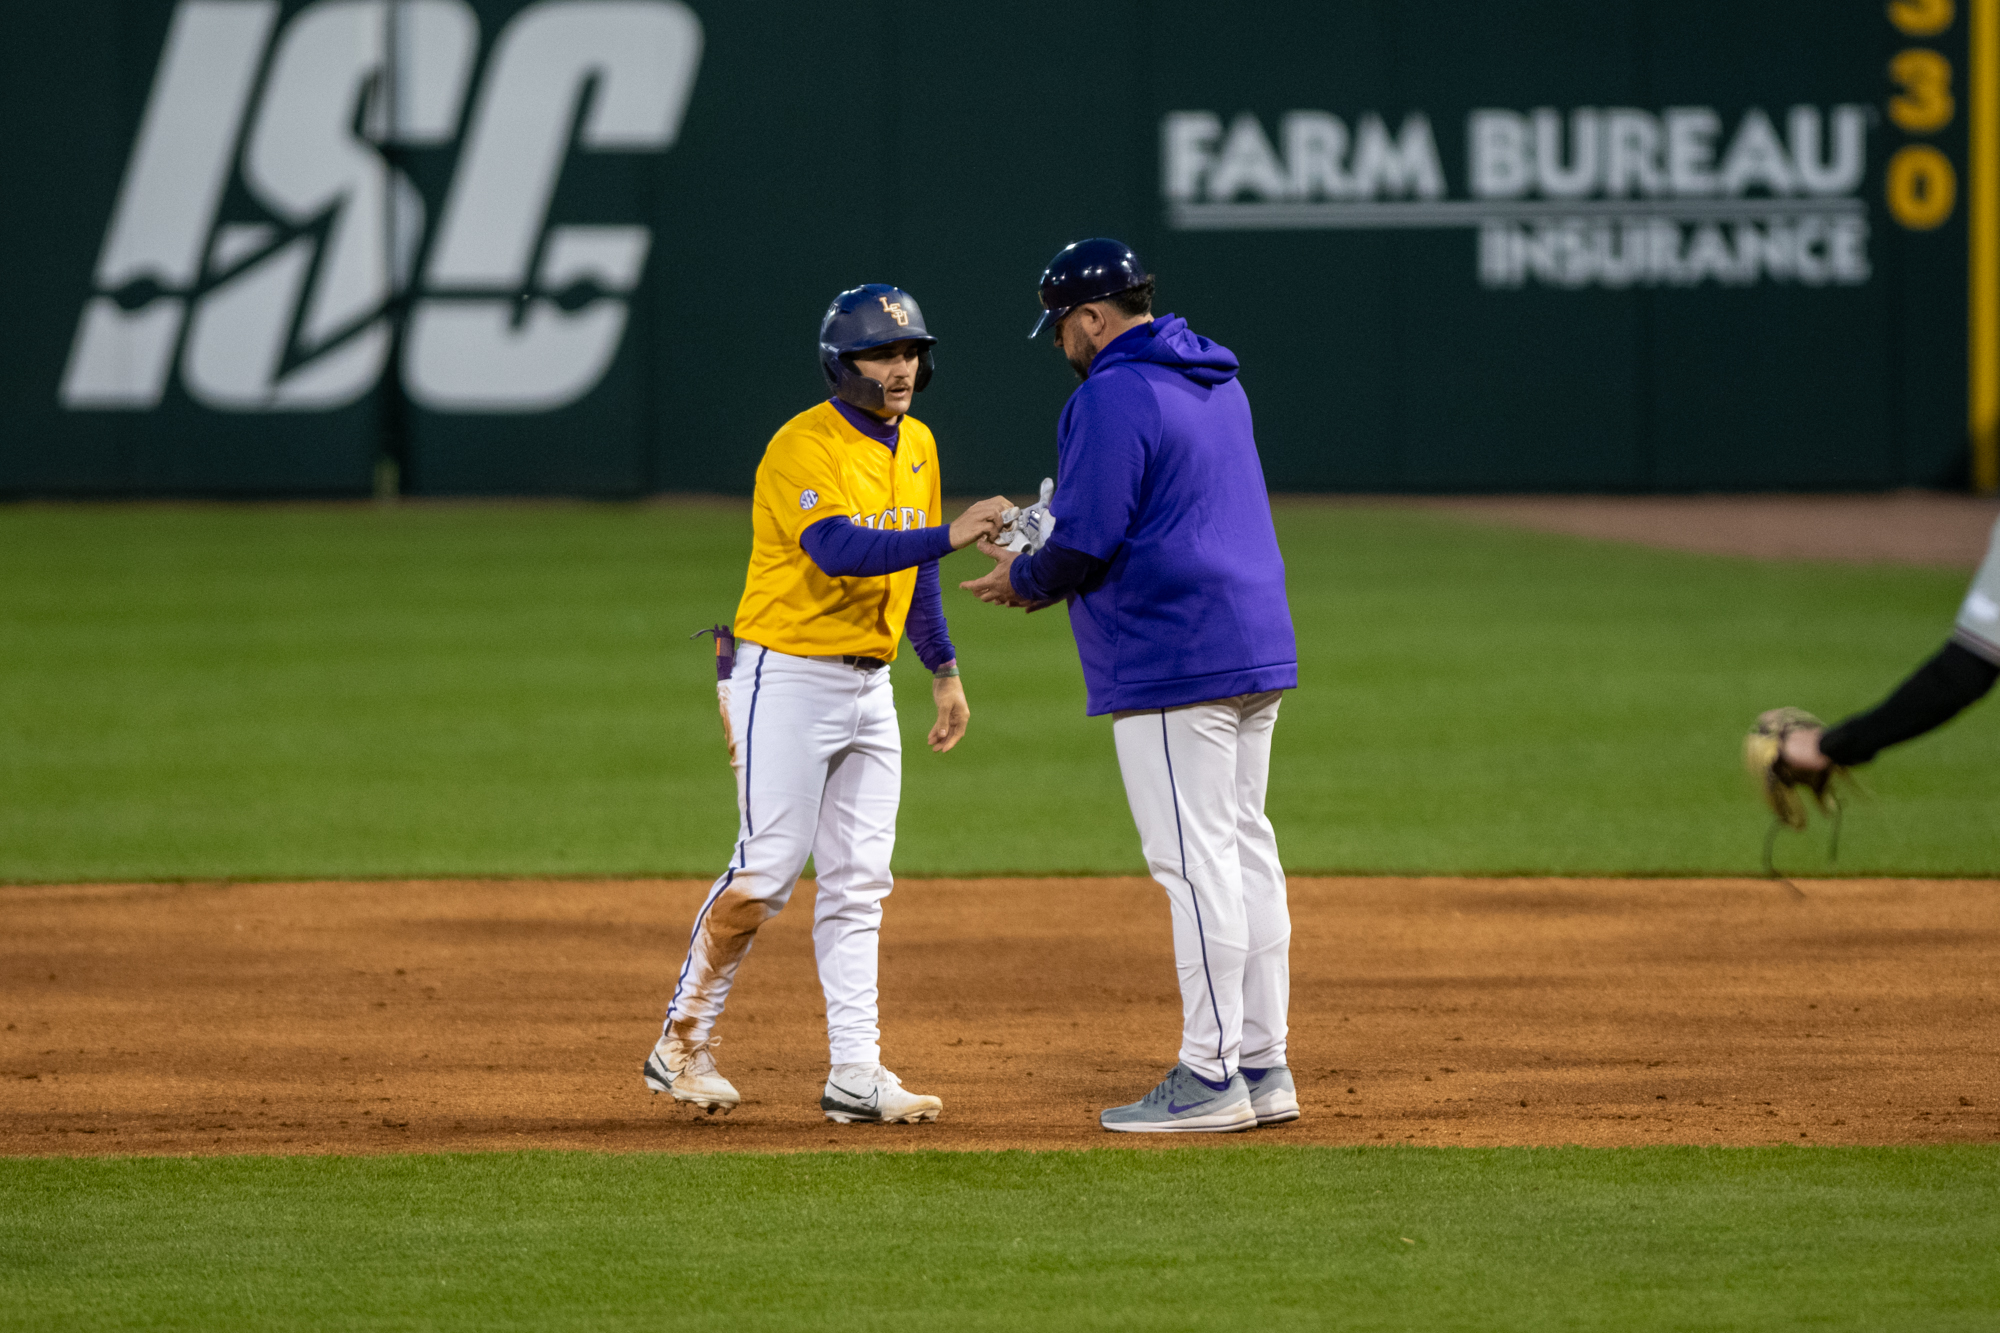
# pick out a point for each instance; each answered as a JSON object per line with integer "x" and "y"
{"x": 582, "y": 246}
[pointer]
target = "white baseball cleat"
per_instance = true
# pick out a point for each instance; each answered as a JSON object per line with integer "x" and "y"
{"x": 687, "y": 1070}
{"x": 871, "y": 1094}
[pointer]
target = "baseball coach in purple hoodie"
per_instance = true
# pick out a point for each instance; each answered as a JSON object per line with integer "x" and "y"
{"x": 1164, "y": 549}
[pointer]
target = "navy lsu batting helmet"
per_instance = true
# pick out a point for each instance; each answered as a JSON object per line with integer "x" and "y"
{"x": 871, "y": 315}
{"x": 1084, "y": 272}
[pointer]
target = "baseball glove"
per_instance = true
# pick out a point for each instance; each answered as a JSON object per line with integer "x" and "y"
{"x": 1784, "y": 786}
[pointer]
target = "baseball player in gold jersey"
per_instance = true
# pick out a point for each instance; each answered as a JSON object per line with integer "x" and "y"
{"x": 847, "y": 534}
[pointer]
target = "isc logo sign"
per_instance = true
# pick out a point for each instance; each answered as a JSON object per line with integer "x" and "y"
{"x": 287, "y": 303}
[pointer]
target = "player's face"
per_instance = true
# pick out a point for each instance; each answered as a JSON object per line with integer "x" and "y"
{"x": 896, "y": 367}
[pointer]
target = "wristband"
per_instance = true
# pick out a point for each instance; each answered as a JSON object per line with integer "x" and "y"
{"x": 948, "y": 669}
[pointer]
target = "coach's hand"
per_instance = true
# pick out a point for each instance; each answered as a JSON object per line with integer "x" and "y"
{"x": 953, "y": 712}
{"x": 995, "y": 586}
{"x": 979, "y": 522}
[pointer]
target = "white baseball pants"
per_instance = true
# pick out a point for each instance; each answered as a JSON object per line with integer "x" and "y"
{"x": 1196, "y": 777}
{"x": 819, "y": 772}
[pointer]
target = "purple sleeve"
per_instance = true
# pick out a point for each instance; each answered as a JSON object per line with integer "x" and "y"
{"x": 1052, "y": 573}
{"x": 1101, "y": 462}
{"x": 926, "y": 628}
{"x": 843, "y": 548}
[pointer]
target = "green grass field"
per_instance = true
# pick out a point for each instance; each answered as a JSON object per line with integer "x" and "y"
{"x": 1250, "y": 1237}
{"x": 195, "y": 691}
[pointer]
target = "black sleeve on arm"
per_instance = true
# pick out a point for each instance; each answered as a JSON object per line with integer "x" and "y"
{"x": 1053, "y": 573}
{"x": 1932, "y": 696}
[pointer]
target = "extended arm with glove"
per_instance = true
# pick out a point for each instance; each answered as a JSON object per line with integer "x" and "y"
{"x": 1786, "y": 785}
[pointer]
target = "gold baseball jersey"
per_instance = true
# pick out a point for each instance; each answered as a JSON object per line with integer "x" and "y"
{"x": 818, "y": 466}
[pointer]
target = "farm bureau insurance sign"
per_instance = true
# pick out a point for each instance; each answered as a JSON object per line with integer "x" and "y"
{"x": 1614, "y": 197}
{"x": 287, "y": 305}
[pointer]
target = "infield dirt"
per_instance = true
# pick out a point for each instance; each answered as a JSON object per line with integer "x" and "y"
{"x": 476, "y": 1015}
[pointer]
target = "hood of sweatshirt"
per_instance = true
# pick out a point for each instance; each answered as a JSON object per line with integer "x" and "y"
{"x": 1168, "y": 342}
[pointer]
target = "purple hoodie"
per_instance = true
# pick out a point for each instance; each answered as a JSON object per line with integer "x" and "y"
{"x": 1158, "y": 477}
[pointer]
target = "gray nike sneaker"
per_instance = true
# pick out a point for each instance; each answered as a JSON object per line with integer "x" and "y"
{"x": 1184, "y": 1104}
{"x": 1273, "y": 1096}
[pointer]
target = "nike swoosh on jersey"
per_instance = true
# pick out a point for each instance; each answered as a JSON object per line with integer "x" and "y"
{"x": 917, "y": 467}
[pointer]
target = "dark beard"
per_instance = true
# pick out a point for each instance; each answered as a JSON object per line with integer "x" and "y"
{"x": 1080, "y": 366}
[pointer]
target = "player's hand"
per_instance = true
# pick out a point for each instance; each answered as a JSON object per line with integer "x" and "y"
{"x": 1802, "y": 750}
{"x": 953, "y": 712}
{"x": 979, "y": 522}
{"x": 995, "y": 586}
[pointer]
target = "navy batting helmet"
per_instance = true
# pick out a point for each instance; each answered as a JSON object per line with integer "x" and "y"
{"x": 871, "y": 315}
{"x": 1086, "y": 271}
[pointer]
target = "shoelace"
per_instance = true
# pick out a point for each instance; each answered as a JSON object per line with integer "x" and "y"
{"x": 701, "y": 1059}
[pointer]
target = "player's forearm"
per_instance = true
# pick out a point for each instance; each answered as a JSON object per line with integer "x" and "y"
{"x": 926, "y": 626}
{"x": 843, "y": 548}
{"x": 1932, "y": 696}
{"x": 1052, "y": 573}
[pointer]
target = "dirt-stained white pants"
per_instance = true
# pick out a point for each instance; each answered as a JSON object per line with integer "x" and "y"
{"x": 819, "y": 772}
{"x": 1196, "y": 777}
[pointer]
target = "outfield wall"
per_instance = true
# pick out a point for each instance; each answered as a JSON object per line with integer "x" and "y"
{"x": 581, "y": 247}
